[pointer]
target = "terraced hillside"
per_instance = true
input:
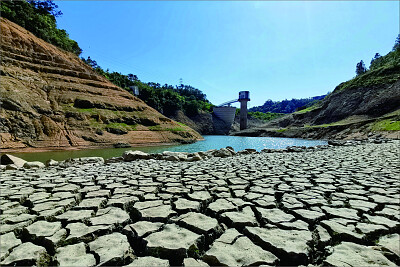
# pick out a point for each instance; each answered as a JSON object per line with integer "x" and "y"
{"x": 51, "y": 99}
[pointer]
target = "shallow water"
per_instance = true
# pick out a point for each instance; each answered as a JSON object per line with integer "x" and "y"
{"x": 210, "y": 142}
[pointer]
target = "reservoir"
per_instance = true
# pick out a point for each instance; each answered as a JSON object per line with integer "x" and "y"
{"x": 210, "y": 142}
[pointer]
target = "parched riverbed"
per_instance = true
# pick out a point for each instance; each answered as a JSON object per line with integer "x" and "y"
{"x": 337, "y": 206}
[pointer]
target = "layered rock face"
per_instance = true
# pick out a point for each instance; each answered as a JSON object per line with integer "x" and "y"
{"x": 50, "y": 98}
{"x": 363, "y": 103}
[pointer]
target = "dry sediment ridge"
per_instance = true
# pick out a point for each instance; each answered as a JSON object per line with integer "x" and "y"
{"x": 335, "y": 206}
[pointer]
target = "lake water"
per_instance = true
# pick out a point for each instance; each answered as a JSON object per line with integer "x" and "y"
{"x": 210, "y": 142}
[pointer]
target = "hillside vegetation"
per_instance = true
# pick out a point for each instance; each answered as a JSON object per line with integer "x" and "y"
{"x": 167, "y": 99}
{"x": 39, "y": 17}
{"x": 367, "y": 104}
{"x": 383, "y": 71}
{"x": 286, "y": 106}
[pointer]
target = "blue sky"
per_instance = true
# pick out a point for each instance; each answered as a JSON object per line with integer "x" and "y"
{"x": 274, "y": 49}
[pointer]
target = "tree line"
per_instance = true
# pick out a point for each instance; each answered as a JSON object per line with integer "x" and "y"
{"x": 39, "y": 17}
{"x": 167, "y": 99}
{"x": 378, "y": 61}
{"x": 286, "y": 106}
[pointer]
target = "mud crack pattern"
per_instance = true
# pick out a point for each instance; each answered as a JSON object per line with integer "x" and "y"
{"x": 338, "y": 206}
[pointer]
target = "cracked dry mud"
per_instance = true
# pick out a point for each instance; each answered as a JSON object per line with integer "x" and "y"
{"x": 338, "y": 206}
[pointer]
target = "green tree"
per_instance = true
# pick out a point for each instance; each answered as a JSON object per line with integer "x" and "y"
{"x": 39, "y": 17}
{"x": 360, "y": 68}
{"x": 132, "y": 77}
{"x": 46, "y": 7}
{"x": 397, "y": 44}
{"x": 375, "y": 62}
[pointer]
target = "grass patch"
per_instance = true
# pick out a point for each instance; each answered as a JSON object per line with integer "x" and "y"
{"x": 265, "y": 116}
{"x": 121, "y": 126}
{"x": 387, "y": 71}
{"x": 313, "y": 107}
{"x": 159, "y": 128}
{"x": 70, "y": 107}
{"x": 386, "y": 125}
{"x": 281, "y": 130}
{"x": 182, "y": 124}
{"x": 86, "y": 110}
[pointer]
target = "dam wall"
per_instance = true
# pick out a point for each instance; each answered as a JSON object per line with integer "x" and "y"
{"x": 227, "y": 114}
{"x": 223, "y": 118}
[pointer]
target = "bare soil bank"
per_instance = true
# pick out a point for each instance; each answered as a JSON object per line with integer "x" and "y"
{"x": 51, "y": 99}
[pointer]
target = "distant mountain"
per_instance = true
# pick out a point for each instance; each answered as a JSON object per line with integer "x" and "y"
{"x": 287, "y": 106}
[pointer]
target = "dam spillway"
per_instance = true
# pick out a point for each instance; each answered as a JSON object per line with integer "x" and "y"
{"x": 227, "y": 114}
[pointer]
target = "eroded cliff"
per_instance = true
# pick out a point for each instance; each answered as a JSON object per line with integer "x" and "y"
{"x": 50, "y": 99}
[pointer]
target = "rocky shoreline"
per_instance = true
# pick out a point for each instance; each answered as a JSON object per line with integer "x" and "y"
{"x": 336, "y": 204}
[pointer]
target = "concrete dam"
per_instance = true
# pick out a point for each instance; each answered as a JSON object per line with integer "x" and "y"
{"x": 224, "y": 114}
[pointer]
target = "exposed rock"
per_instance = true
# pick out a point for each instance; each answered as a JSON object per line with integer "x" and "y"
{"x": 194, "y": 157}
{"x": 141, "y": 229}
{"x": 351, "y": 254}
{"x": 87, "y": 160}
{"x": 370, "y": 229}
{"x": 222, "y": 153}
{"x": 111, "y": 215}
{"x": 289, "y": 245}
{"x": 27, "y": 254}
{"x": 184, "y": 205}
{"x": 382, "y": 221}
{"x": 179, "y": 155}
{"x": 199, "y": 223}
{"x": 8, "y": 242}
{"x": 274, "y": 215}
{"x": 91, "y": 203}
{"x": 323, "y": 235}
{"x": 190, "y": 262}
{"x": 11, "y": 167}
{"x": 343, "y": 231}
{"x": 202, "y": 196}
{"x": 342, "y": 212}
{"x": 221, "y": 205}
{"x": 240, "y": 219}
{"x": 173, "y": 243}
{"x": 391, "y": 243}
{"x": 309, "y": 215}
{"x": 149, "y": 261}
{"x": 153, "y": 211}
{"x": 76, "y": 216}
{"x": 80, "y": 232}
{"x": 50, "y": 234}
{"x": 69, "y": 96}
{"x": 74, "y": 255}
{"x": 33, "y": 164}
{"x": 51, "y": 163}
{"x": 295, "y": 206}
{"x": 234, "y": 249}
{"x": 134, "y": 155}
{"x": 112, "y": 249}
{"x": 121, "y": 145}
